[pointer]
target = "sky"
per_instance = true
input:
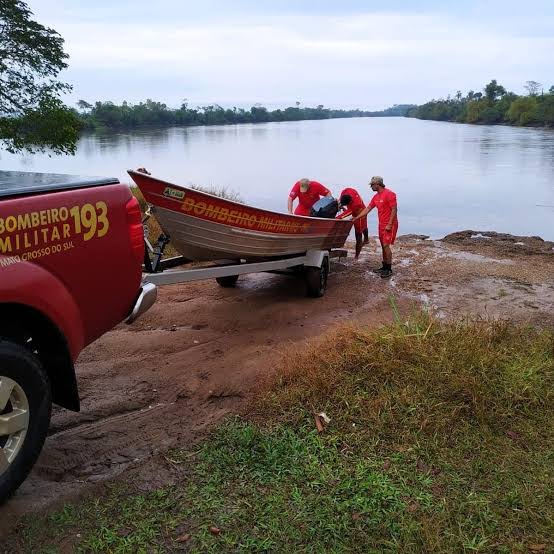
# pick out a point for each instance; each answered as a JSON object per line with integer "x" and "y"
{"x": 339, "y": 53}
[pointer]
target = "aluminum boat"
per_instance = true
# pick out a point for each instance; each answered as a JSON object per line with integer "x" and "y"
{"x": 205, "y": 227}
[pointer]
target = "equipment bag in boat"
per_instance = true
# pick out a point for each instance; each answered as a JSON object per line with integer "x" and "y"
{"x": 325, "y": 207}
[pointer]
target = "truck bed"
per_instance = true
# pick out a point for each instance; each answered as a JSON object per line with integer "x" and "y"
{"x": 17, "y": 183}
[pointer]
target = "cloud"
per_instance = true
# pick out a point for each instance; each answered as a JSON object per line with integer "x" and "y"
{"x": 352, "y": 59}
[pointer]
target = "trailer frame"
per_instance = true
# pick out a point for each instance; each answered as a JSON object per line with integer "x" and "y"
{"x": 314, "y": 265}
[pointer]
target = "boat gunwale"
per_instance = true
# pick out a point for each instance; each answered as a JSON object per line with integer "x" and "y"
{"x": 233, "y": 202}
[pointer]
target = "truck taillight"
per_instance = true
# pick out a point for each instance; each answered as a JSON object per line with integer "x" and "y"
{"x": 134, "y": 221}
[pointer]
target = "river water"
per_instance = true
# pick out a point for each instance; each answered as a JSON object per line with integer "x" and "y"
{"x": 447, "y": 176}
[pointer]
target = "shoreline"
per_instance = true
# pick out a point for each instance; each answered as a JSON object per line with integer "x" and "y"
{"x": 154, "y": 127}
{"x": 157, "y": 126}
{"x": 483, "y": 124}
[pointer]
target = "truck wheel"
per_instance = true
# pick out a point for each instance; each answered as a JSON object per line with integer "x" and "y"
{"x": 25, "y": 406}
{"x": 228, "y": 281}
{"x": 316, "y": 279}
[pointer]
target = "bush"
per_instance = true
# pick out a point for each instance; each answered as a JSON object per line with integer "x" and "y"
{"x": 491, "y": 115}
{"x": 520, "y": 106}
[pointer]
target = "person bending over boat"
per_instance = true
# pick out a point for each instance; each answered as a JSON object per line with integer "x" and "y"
{"x": 308, "y": 193}
{"x": 385, "y": 202}
{"x": 352, "y": 204}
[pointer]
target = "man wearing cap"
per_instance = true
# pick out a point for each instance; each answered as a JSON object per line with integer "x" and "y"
{"x": 385, "y": 202}
{"x": 352, "y": 203}
{"x": 308, "y": 193}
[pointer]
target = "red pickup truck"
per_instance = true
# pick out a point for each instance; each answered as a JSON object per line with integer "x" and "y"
{"x": 71, "y": 253}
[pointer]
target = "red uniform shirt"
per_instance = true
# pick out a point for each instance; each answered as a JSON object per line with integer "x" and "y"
{"x": 307, "y": 199}
{"x": 354, "y": 208}
{"x": 356, "y": 204}
{"x": 384, "y": 201}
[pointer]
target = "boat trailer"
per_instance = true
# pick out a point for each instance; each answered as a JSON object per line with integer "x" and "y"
{"x": 313, "y": 265}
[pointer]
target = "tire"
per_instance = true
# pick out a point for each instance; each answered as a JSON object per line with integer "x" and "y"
{"x": 25, "y": 408}
{"x": 228, "y": 281}
{"x": 316, "y": 279}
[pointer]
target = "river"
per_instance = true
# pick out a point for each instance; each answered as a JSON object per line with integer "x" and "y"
{"x": 447, "y": 176}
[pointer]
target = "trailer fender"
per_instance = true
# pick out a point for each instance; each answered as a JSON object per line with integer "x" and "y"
{"x": 314, "y": 258}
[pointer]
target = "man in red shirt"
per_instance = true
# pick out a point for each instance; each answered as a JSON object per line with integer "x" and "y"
{"x": 385, "y": 202}
{"x": 308, "y": 193}
{"x": 352, "y": 203}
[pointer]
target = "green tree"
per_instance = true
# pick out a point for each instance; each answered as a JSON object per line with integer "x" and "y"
{"x": 32, "y": 115}
{"x": 493, "y": 91}
{"x": 523, "y": 110}
{"x": 84, "y": 106}
{"x": 259, "y": 114}
{"x": 491, "y": 114}
{"x": 503, "y": 105}
{"x": 545, "y": 109}
{"x": 474, "y": 110}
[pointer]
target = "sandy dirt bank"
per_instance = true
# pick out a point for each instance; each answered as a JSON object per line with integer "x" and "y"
{"x": 198, "y": 354}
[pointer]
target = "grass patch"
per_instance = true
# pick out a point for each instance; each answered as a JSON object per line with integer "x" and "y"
{"x": 222, "y": 192}
{"x": 441, "y": 439}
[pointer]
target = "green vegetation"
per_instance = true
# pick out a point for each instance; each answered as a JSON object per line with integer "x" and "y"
{"x": 107, "y": 115}
{"x": 32, "y": 115}
{"x": 441, "y": 439}
{"x": 222, "y": 192}
{"x": 495, "y": 105}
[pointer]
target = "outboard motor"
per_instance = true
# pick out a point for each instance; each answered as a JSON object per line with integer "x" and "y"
{"x": 325, "y": 207}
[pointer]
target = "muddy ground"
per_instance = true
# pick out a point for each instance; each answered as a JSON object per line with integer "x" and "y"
{"x": 197, "y": 355}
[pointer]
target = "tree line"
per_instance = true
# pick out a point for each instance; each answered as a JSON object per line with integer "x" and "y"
{"x": 108, "y": 115}
{"x": 495, "y": 105}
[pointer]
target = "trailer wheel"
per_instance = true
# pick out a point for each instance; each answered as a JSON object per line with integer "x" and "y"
{"x": 228, "y": 281}
{"x": 316, "y": 279}
{"x": 25, "y": 406}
